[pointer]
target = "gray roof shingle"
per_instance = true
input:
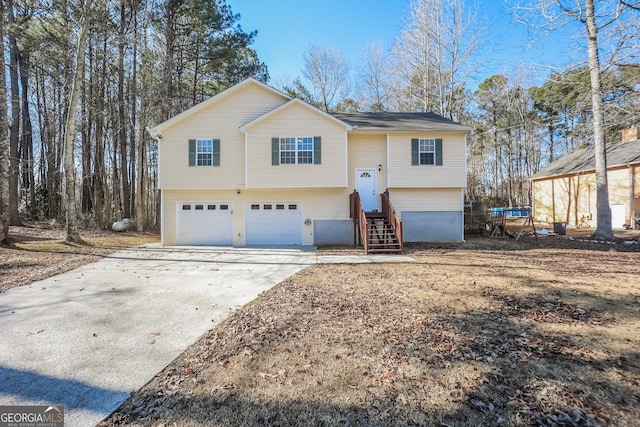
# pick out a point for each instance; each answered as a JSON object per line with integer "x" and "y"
{"x": 620, "y": 154}
{"x": 400, "y": 122}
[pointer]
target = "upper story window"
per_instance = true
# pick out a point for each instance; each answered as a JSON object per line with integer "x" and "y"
{"x": 296, "y": 150}
{"x": 204, "y": 152}
{"x": 427, "y": 151}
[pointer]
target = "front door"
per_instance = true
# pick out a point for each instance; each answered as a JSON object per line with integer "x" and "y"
{"x": 366, "y": 187}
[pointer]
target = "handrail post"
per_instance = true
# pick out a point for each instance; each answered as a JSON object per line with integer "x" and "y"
{"x": 390, "y": 213}
{"x": 360, "y": 218}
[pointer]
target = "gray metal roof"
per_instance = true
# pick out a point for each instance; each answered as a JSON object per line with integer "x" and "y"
{"x": 387, "y": 121}
{"x": 620, "y": 154}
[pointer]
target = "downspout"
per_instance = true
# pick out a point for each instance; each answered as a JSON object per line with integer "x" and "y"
{"x": 632, "y": 195}
{"x": 388, "y": 159}
{"x": 569, "y": 198}
{"x": 346, "y": 156}
{"x": 464, "y": 188}
{"x": 246, "y": 159}
{"x": 158, "y": 137}
{"x": 162, "y": 215}
{"x": 553, "y": 200}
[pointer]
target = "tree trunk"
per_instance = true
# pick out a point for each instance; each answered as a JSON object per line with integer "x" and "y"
{"x": 87, "y": 178}
{"x": 70, "y": 128}
{"x": 14, "y": 151}
{"x": 4, "y": 143}
{"x": 27, "y": 133}
{"x": 604, "y": 229}
{"x": 167, "y": 75}
{"x": 135, "y": 196}
{"x": 99, "y": 171}
{"x": 122, "y": 124}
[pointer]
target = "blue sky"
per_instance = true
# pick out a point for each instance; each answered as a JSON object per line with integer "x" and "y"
{"x": 286, "y": 29}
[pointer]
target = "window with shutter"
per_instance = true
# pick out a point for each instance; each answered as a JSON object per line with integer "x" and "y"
{"x": 296, "y": 150}
{"x": 204, "y": 152}
{"x": 426, "y": 151}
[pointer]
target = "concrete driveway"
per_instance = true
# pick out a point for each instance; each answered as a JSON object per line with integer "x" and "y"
{"x": 87, "y": 338}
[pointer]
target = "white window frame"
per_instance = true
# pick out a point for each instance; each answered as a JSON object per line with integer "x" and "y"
{"x": 426, "y": 146}
{"x": 296, "y": 150}
{"x": 204, "y": 152}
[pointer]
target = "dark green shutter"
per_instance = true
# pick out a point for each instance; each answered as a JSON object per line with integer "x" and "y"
{"x": 275, "y": 151}
{"x": 438, "y": 152}
{"x": 317, "y": 150}
{"x": 415, "y": 157}
{"x": 215, "y": 161}
{"x": 192, "y": 152}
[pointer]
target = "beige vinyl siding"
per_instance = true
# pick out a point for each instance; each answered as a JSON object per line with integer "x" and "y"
{"x": 221, "y": 120}
{"x": 619, "y": 181}
{"x": 296, "y": 121}
{"x": 402, "y": 174}
{"x": 543, "y": 200}
{"x": 427, "y": 199}
{"x": 315, "y": 204}
{"x": 368, "y": 152}
{"x": 573, "y": 199}
{"x": 552, "y": 202}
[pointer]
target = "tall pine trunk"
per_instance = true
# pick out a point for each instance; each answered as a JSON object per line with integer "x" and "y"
{"x": 70, "y": 128}
{"x": 14, "y": 134}
{"x": 27, "y": 133}
{"x": 4, "y": 142}
{"x": 122, "y": 124}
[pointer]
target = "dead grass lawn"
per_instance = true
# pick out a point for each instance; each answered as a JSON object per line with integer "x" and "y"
{"x": 467, "y": 335}
{"x": 37, "y": 252}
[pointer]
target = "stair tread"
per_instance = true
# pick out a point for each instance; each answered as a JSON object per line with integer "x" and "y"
{"x": 382, "y": 235}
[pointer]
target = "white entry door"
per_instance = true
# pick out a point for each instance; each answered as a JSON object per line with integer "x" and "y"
{"x": 366, "y": 187}
{"x": 618, "y": 215}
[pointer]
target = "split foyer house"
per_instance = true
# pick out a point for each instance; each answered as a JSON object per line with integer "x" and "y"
{"x": 252, "y": 166}
{"x": 565, "y": 191}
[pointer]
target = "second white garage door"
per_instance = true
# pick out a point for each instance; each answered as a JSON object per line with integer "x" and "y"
{"x": 207, "y": 224}
{"x": 274, "y": 224}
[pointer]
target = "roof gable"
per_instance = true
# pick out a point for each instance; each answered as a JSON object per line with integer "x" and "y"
{"x": 291, "y": 104}
{"x": 155, "y": 131}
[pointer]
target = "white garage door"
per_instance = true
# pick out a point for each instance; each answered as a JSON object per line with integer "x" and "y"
{"x": 204, "y": 224}
{"x": 274, "y": 224}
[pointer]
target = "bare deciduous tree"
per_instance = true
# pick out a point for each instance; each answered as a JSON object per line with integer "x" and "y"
{"x": 328, "y": 72}
{"x": 433, "y": 55}
{"x": 372, "y": 77}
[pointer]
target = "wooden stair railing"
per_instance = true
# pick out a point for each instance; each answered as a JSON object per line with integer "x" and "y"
{"x": 380, "y": 232}
{"x": 392, "y": 217}
{"x": 359, "y": 218}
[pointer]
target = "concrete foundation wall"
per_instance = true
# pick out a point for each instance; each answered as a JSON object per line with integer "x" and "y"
{"x": 333, "y": 232}
{"x": 432, "y": 226}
